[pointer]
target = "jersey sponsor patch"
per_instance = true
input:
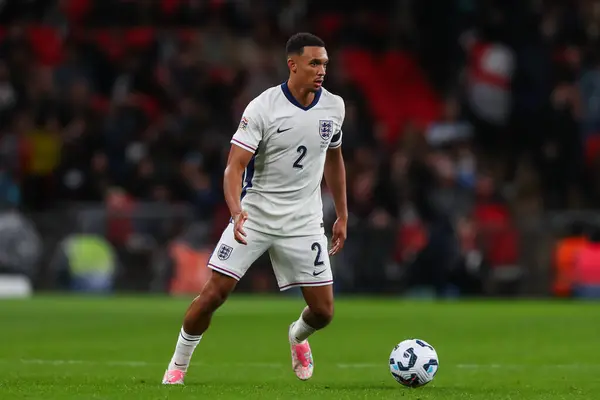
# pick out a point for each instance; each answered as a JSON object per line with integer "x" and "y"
{"x": 325, "y": 128}
{"x": 224, "y": 252}
{"x": 243, "y": 124}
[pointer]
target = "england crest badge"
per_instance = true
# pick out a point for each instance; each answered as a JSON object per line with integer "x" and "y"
{"x": 325, "y": 129}
{"x": 224, "y": 252}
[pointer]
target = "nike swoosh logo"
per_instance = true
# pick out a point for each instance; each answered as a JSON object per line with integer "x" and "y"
{"x": 279, "y": 130}
{"x": 315, "y": 273}
{"x": 180, "y": 365}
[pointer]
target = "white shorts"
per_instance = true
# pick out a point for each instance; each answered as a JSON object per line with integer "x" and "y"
{"x": 297, "y": 261}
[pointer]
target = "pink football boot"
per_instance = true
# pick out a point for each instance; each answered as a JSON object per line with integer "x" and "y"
{"x": 302, "y": 360}
{"x": 173, "y": 377}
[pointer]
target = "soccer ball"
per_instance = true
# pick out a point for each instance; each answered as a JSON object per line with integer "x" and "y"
{"x": 413, "y": 363}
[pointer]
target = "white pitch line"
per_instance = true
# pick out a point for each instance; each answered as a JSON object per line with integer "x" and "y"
{"x": 84, "y": 362}
{"x": 524, "y": 366}
{"x": 361, "y": 365}
{"x": 125, "y": 363}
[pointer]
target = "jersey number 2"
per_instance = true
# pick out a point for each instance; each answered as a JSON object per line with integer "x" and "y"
{"x": 317, "y": 246}
{"x": 302, "y": 150}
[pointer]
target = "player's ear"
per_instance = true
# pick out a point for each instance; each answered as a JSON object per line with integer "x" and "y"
{"x": 292, "y": 64}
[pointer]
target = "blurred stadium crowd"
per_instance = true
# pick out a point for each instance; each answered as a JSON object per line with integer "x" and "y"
{"x": 462, "y": 116}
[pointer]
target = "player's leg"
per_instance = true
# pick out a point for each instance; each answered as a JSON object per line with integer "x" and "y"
{"x": 304, "y": 262}
{"x": 213, "y": 295}
{"x": 196, "y": 321}
{"x": 317, "y": 314}
{"x": 229, "y": 263}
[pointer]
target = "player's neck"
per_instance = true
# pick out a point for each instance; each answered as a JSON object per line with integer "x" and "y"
{"x": 303, "y": 96}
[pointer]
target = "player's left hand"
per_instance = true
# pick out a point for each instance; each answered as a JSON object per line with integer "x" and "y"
{"x": 339, "y": 235}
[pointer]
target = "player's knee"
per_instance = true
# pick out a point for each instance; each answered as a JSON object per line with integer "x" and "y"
{"x": 213, "y": 295}
{"x": 213, "y": 298}
{"x": 323, "y": 312}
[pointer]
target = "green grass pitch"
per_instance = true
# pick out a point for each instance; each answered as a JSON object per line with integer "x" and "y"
{"x": 117, "y": 348}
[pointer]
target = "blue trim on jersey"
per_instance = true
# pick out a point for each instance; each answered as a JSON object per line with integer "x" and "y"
{"x": 286, "y": 91}
{"x": 248, "y": 175}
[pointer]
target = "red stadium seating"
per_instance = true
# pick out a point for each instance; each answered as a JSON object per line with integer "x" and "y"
{"x": 100, "y": 104}
{"x": 169, "y": 7}
{"x": 592, "y": 148}
{"x": 498, "y": 234}
{"x": 503, "y": 247}
{"x": 186, "y": 35}
{"x": 410, "y": 239}
{"x": 404, "y": 96}
{"x": 148, "y": 105}
{"x": 491, "y": 215}
{"x": 76, "y": 10}
{"x": 139, "y": 37}
{"x": 328, "y": 25}
{"x": 47, "y": 44}
{"x": 110, "y": 42}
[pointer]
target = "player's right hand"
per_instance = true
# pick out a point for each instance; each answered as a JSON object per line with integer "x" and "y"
{"x": 238, "y": 227}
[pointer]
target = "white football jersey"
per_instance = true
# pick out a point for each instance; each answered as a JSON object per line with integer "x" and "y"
{"x": 282, "y": 184}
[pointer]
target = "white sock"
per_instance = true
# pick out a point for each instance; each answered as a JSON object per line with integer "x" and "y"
{"x": 186, "y": 344}
{"x": 301, "y": 330}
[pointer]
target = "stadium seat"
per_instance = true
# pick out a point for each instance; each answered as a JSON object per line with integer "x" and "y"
{"x": 110, "y": 42}
{"x": 491, "y": 216}
{"x": 411, "y": 239}
{"x": 148, "y": 105}
{"x": 139, "y": 37}
{"x": 398, "y": 66}
{"x": 170, "y": 7}
{"x": 498, "y": 234}
{"x": 405, "y": 96}
{"x": 100, "y": 104}
{"x": 186, "y": 35}
{"x": 47, "y": 44}
{"x": 503, "y": 247}
{"x": 328, "y": 25}
{"x": 359, "y": 63}
{"x": 76, "y": 10}
{"x": 592, "y": 148}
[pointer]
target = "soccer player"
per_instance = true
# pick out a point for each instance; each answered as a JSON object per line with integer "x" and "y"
{"x": 288, "y": 138}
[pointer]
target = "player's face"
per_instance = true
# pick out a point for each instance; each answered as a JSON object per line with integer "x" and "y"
{"x": 310, "y": 67}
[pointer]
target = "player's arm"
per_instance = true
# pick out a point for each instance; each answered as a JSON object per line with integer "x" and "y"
{"x": 232, "y": 187}
{"x": 244, "y": 145}
{"x": 335, "y": 176}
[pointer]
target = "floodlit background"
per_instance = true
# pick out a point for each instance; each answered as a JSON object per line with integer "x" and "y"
{"x": 471, "y": 137}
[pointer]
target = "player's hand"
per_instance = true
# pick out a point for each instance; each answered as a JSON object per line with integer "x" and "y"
{"x": 238, "y": 227}
{"x": 339, "y": 235}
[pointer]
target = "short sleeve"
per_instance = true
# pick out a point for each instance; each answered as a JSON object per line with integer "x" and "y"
{"x": 336, "y": 140}
{"x": 250, "y": 131}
